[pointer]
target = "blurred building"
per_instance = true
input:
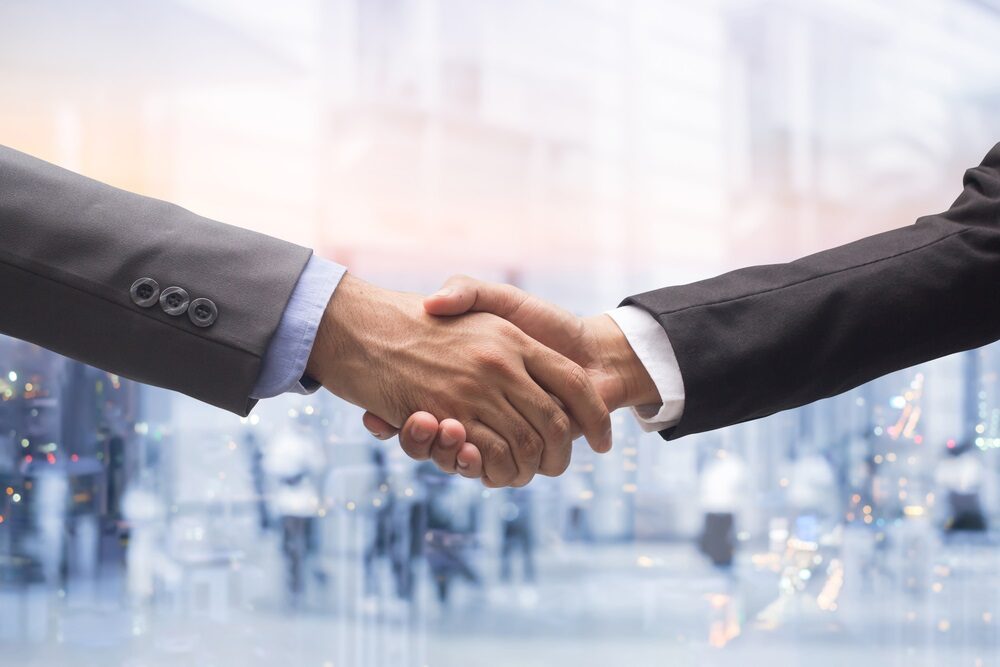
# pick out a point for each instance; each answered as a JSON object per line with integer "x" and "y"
{"x": 586, "y": 150}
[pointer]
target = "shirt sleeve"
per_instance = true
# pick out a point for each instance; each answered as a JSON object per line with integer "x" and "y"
{"x": 284, "y": 364}
{"x": 652, "y": 346}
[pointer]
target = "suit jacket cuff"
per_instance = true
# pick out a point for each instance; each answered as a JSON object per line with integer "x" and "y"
{"x": 652, "y": 346}
{"x": 284, "y": 363}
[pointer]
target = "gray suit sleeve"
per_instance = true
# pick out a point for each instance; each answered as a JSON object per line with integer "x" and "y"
{"x": 72, "y": 250}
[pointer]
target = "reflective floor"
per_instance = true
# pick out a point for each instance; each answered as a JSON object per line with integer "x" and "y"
{"x": 909, "y": 598}
{"x": 846, "y": 533}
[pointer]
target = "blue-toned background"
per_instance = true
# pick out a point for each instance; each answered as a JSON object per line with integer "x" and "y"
{"x": 585, "y": 150}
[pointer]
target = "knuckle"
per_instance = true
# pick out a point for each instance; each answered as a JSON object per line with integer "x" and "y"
{"x": 465, "y": 386}
{"x": 559, "y": 427}
{"x": 555, "y": 467}
{"x": 525, "y": 439}
{"x": 497, "y": 458}
{"x": 522, "y": 481}
{"x": 491, "y": 359}
{"x": 515, "y": 295}
{"x": 509, "y": 332}
{"x": 502, "y": 477}
{"x": 520, "y": 430}
{"x": 577, "y": 380}
{"x": 531, "y": 447}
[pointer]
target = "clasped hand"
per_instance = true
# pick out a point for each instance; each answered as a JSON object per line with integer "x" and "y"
{"x": 484, "y": 379}
{"x": 487, "y": 383}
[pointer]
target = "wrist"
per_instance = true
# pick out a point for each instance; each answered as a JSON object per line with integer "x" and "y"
{"x": 629, "y": 383}
{"x": 339, "y": 350}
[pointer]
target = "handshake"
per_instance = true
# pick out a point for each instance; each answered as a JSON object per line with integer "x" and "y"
{"x": 520, "y": 378}
{"x": 486, "y": 380}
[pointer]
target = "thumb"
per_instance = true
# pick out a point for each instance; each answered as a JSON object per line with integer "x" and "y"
{"x": 462, "y": 294}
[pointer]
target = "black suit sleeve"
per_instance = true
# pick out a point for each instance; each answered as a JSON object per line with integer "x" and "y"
{"x": 768, "y": 338}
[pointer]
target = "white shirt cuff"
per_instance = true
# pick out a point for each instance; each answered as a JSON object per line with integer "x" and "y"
{"x": 652, "y": 346}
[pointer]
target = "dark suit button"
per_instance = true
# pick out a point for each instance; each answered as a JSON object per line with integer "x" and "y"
{"x": 174, "y": 300}
{"x": 203, "y": 312}
{"x": 145, "y": 292}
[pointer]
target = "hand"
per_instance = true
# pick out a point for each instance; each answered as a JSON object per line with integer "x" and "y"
{"x": 380, "y": 350}
{"x": 596, "y": 343}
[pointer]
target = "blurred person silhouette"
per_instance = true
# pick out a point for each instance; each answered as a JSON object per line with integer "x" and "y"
{"x": 961, "y": 473}
{"x": 518, "y": 533}
{"x": 441, "y": 537}
{"x": 146, "y": 558}
{"x": 112, "y": 449}
{"x": 292, "y": 460}
{"x": 722, "y": 491}
{"x": 388, "y": 540}
{"x": 576, "y": 494}
{"x": 52, "y": 494}
{"x": 257, "y": 477}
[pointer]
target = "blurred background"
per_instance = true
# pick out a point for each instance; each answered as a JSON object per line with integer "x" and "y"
{"x": 584, "y": 150}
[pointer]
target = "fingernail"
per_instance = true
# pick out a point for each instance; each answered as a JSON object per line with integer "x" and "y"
{"x": 420, "y": 433}
{"x": 448, "y": 439}
{"x": 447, "y": 291}
{"x": 463, "y": 465}
{"x": 374, "y": 433}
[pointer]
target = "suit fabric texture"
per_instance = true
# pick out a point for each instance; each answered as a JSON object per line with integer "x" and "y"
{"x": 86, "y": 270}
{"x": 768, "y": 338}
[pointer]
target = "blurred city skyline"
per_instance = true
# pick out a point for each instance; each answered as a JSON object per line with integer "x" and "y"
{"x": 640, "y": 143}
{"x": 585, "y": 150}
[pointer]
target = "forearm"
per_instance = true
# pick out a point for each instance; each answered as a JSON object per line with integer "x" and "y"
{"x": 764, "y": 339}
{"x": 71, "y": 248}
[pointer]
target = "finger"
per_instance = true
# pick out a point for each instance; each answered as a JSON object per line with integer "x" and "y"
{"x": 570, "y": 384}
{"x": 499, "y": 468}
{"x": 444, "y": 450}
{"x": 469, "y": 461}
{"x": 547, "y": 323}
{"x": 378, "y": 427}
{"x": 523, "y": 441}
{"x": 417, "y": 435}
{"x": 550, "y": 422}
{"x": 460, "y": 294}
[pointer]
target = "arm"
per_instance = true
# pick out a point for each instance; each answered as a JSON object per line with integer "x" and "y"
{"x": 71, "y": 250}
{"x": 379, "y": 349}
{"x": 155, "y": 293}
{"x": 768, "y": 338}
{"x": 764, "y": 339}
